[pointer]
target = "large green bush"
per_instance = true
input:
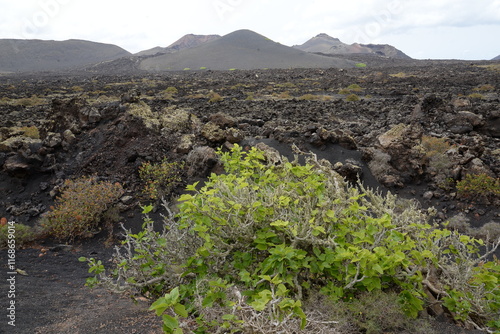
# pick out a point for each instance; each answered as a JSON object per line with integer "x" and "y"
{"x": 265, "y": 238}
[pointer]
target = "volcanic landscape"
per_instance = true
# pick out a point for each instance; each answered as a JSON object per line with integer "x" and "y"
{"x": 410, "y": 127}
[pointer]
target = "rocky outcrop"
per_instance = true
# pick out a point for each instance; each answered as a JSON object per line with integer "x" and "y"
{"x": 405, "y": 130}
{"x": 200, "y": 161}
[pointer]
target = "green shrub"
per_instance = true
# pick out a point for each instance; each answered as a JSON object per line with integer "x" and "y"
{"x": 34, "y": 100}
{"x": 156, "y": 263}
{"x": 477, "y": 96}
{"x": 256, "y": 242}
{"x": 352, "y": 98}
{"x": 360, "y": 65}
{"x": 288, "y": 85}
{"x": 434, "y": 145}
{"x": 171, "y": 90}
{"x": 31, "y": 132}
{"x": 354, "y": 88}
{"x": 22, "y": 234}
{"x": 283, "y": 95}
{"x": 214, "y": 97}
{"x": 479, "y": 186}
{"x": 435, "y": 151}
{"x": 160, "y": 179}
{"x": 376, "y": 312}
{"x": 484, "y": 88}
{"x": 77, "y": 212}
{"x": 308, "y": 97}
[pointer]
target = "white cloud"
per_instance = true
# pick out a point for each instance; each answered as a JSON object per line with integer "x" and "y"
{"x": 138, "y": 25}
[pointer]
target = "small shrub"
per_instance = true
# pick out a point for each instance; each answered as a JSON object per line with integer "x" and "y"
{"x": 376, "y": 312}
{"x": 156, "y": 263}
{"x": 160, "y": 179}
{"x": 31, "y": 132}
{"x": 168, "y": 93}
{"x": 434, "y": 145}
{"x": 171, "y": 90}
{"x": 477, "y": 96}
{"x": 459, "y": 223}
{"x": 80, "y": 207}
{"x": 285, "y": 95}
{"x": 488, "y": 232}
{"x": 21, "y": 234}
{"x": 308, "y": 97}
{"x": 484, "y": 88}
{"x": 435, "y": 151}
{"x": 479, "y": 186}
{"x": 288, "y": 85}
{"x": 25, "y": 101}
{"x": 399, "y": 75}
{"x": 354, "y": 88}
{"x": 203, "y": 68}
{"x": 214, "y": 97}
{"x": 352, "y": 98}
{"x": 187, "y": 69}
{"x": 360, "y": 65}
{"x": 350, "y": 89}
{"x": 492, "y": 67}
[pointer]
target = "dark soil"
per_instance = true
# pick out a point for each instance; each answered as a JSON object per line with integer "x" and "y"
{"x": 279, "y": 107}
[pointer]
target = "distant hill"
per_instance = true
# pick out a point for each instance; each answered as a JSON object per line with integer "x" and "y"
{"x": 324, "y": 43}
{"x": 242, "y": 49}
{"x": 37, "y": 55}
{"x": 185, "y": 42}
{"x": 496, "y": 58}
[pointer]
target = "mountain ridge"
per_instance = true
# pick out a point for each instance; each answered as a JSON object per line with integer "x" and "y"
{"x": 18, "y": 55}
{"x": 241, "y": 49}
{"x": 185, "y": 42}
{"x": 323, "y": 43}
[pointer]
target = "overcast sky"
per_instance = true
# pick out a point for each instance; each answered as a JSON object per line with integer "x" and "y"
{"x": 438, "y": 29}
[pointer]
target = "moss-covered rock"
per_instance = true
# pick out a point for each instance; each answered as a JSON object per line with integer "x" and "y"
{"x": 213, "y": 132}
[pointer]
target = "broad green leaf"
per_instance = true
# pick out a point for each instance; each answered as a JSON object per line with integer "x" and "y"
{"x": 192, "y": 187}
{"x": 185, "y": 197}
{"x": 260, "y": 303}
{"x": 147, "y": 209}
{"x": 170, "y": 322}
{"x": 330, "y": 214}
{"x": 159, "y": 306}
{"x": 378, "y": 268}
{"x": 319, "y": 229}
{"x": 180, "y": 310}
{"x": 280, "y": 223}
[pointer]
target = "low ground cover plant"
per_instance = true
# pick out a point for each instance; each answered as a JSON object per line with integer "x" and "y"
{"x": 15, "y": 235}
{"x": 79, "y": 209}
{"x": 160, "y": 178}
{"x": 252, "y": 249}
{"x": 479, "y": 187}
